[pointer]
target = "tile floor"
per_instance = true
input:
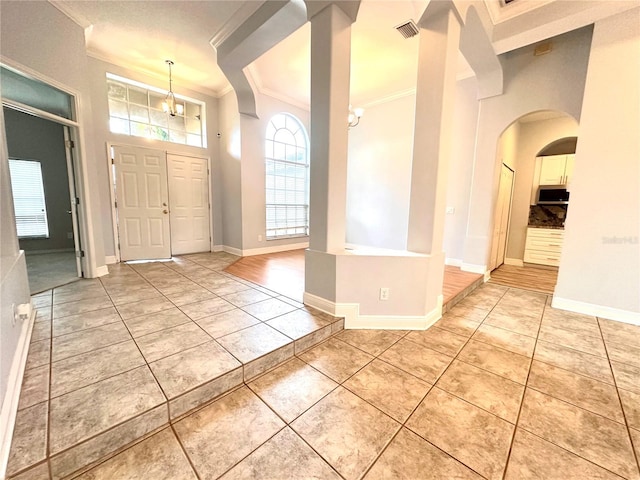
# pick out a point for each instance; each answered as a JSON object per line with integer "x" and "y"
{"x": 116, "y": 358}
{"x": 503, "y": 386}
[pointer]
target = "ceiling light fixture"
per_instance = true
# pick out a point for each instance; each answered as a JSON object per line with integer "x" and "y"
{"x": 169, "y": 105}
{"x": 354, "y": 116}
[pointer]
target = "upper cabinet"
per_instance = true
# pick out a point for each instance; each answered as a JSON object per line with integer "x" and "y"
{"x": 556, "y": 169}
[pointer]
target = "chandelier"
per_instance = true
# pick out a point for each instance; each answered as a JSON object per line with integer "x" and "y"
{"x": 169, "y": 105}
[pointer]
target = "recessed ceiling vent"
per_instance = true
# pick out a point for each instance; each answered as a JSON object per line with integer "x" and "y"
{"x": 408, "y": 29}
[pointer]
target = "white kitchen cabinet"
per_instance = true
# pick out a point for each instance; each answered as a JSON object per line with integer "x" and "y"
{"x": 556, "y": 169}
{"x": 543, "y": 246}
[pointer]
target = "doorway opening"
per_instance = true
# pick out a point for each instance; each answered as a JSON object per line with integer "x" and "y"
{"x": 539, "y": 148}
{"x": 44, "y": 198}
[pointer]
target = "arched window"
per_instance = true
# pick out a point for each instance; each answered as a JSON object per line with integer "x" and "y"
{"x": 287, "y": 177}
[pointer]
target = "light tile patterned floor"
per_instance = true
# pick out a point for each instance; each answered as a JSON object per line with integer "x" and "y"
{"x": 503, "y": 386}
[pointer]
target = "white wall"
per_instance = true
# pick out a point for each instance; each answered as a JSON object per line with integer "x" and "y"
{"x": 230, "y": 153}
{"x": 465, "y": 119}
{"x": 379, "y": 172}
{"x": 14, "y": 289}
{"x": 379, "y": 175}
{"x": 37, "y": 36}
{"x": 253, "y": 132}
{"x": 533, "y": 137}
{"x": 600, "y": 263}
{"x": 554, "y": 81}
{"x": 96, "y": 75}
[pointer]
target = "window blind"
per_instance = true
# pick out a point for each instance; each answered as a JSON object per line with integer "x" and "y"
{"x": 28, "y": 198}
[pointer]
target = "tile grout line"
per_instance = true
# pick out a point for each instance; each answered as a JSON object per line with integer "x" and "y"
{"x": 184, "y": 450}
{"x": 48, "y": 444}
{"x": 404, "y": 424}
{"x": 524, "y": 392}
{"x": 615, "y": 383}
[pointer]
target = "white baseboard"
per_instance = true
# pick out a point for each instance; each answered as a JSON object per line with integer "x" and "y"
{"x": 263, "y": 250}
{"x": 110, "y": 259}
{"x": 12, "y": 397}
{"x": 470, "y": 267}
{"x": 52, "y": 250}
{"x": 275, "y": 249}
{"x": 102, "y": 270}
{"x": 232, "y": 250}
{"x": 514, "y": 261}
{"x": 601, "y": 311}
{"x": 353, "y": 319}
{"x": 217, "y": 248}
{"x": 453, "y": 262}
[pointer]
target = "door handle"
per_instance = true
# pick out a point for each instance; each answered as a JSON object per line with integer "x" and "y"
{"x": 69, "y": 212}
{"x": 165, "y": 211}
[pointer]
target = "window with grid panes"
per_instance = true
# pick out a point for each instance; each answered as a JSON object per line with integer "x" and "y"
{"x": 287, "y": 177}
{"x": 136, "y": 109}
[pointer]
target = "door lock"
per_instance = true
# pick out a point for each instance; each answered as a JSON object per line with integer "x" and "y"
{"x": 165, "y": 211}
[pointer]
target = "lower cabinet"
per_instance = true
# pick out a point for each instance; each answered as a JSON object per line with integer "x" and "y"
{"x": 543, "y": 246}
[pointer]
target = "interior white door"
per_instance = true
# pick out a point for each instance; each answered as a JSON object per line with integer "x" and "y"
{"x": 189, "y": 201}
{"x": 507, "y": 180}
{"x": 73, "y": 200}
{"x": 501, "y": 218}
{"x": 142, "y": 203}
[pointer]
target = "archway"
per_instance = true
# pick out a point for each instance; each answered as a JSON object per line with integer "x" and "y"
{"x": 521, "y": 147}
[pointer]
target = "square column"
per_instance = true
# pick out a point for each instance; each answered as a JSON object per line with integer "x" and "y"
{"x": 330, "y": 76}
{"x": 435, "y": 94}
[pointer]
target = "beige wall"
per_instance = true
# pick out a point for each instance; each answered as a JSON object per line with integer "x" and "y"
{"x": 600, "y": 263}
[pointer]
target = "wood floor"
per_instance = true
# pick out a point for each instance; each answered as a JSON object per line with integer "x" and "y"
{"x": 538, "y": 279}
{"x": 283, "y": 273}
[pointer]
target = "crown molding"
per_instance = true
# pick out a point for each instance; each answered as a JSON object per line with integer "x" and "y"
{"x": 151, "y": 74}
{"x": 255, "y": 81}
{"x": 238, "y": 18}
{"x": 78, "y": 19}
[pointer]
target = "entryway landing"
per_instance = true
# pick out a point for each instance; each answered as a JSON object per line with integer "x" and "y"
{"x": 115, "y": 359}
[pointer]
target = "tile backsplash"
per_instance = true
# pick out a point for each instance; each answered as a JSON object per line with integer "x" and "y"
{"x": 547, "y": 215}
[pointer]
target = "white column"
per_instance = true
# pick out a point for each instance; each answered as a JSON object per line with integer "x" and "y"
{"x": 435, "y": 92}
{"x": 330, "y": 70}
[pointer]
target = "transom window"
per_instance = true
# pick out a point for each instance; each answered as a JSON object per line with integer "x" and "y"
{"x": 28, "y": 198}
{"x": 136, "y": 109}
{"x": 287, "y": 177}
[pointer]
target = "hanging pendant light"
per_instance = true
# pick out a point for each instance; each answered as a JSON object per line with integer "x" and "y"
{"x": 169, "y": 105}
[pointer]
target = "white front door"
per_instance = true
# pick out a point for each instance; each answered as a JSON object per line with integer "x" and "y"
{"x": 143, "y": 203}
{"x": 189, "y": 200}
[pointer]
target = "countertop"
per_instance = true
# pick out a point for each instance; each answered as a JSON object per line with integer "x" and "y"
{"x": 545, "y": 226}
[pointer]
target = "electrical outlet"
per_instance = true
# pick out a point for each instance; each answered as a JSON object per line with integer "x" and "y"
{"x": 451, "y": 210}
{"x": 384, "y": 293}
{"x": 70, "y": 235}
{"x": 259, "y": 238}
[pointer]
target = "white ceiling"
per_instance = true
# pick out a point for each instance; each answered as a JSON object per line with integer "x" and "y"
{"x": 141, "y": 35}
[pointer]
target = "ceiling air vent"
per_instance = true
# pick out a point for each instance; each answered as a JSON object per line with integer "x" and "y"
{"x": 408, "y": 29}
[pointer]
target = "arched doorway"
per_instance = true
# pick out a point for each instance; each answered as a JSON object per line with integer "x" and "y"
{"x": 521, "y": 148}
